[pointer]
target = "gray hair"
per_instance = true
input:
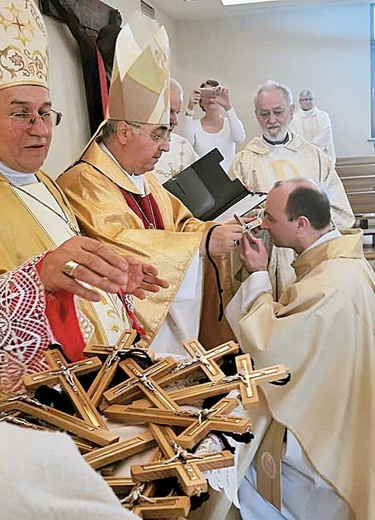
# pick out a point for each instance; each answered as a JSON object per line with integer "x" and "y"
{"x": 109, "y": 130}
{"x": 174, "y": 85}
{"x": 274, "y": 85}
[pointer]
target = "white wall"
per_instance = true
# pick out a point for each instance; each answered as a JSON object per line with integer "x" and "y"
{"x": 324, "y": 48}
{"x": 68, "y": 91}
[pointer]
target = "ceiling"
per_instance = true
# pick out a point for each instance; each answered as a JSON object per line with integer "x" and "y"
{"x": 205, "y": 9}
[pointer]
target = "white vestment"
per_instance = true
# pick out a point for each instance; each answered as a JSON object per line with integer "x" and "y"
{"x": 315, "y": 126}
{"x": 181, "y": 155}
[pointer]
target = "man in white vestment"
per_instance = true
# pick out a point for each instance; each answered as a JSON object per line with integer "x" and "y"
{"x": 314, "y": 124}
{"x": 322, "y": 328}
{"x": 181, "y": 154}
{"x": 280, "y": 154}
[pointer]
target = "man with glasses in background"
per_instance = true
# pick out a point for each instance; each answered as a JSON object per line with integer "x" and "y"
{"x": 117, "y": 200}
{"x": 280, "y": 154}
{"x": 314, "y": 124}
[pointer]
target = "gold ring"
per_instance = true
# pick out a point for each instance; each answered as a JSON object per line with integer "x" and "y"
{"x": 69, "y": 267}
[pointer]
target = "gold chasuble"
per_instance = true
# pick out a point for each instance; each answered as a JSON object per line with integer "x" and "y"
{"x": 323, "y": 329}
{"x": 93, "y": 187}
{"x": 31, "y": 227}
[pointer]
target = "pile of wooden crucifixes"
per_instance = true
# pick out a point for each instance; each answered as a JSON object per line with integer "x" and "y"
{"x": 152, "y": 396}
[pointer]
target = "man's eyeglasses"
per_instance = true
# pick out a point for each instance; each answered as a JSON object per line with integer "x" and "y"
{"x": 50, "y": 118}
{"x": 162, "y": 136}
{"x": 307, "y": 99}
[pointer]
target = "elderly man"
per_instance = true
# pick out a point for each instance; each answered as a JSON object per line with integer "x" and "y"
{"x": 117, "y": 201}
{"x": 278, "y": 155}
{"x": 323, "y": 329}
{"x": 42, "y": 294}
{"x": 181, "y": 154}
{"x": 313, "y": 124}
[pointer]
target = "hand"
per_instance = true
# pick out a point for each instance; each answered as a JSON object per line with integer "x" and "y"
{"x": 98, "y": 266}
{"x": 194, "y": 99}
{"x": 222, "y": 239}
{"x": 142, "y": 279}
{"x": 254, "y": 254}
{"x": 222, "y": 97}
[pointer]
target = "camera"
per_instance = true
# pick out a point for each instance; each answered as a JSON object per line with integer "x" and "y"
{"x": 207, "y": 92}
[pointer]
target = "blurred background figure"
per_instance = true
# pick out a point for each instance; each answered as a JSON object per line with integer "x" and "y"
{"x": 181, "y": 154}
{"x": 314, "y": 124}
{"x": 213, "y": 130}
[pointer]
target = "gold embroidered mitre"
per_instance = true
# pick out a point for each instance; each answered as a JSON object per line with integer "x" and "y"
{"x": 24, "y": 52}
{"x": 139, "y": 88}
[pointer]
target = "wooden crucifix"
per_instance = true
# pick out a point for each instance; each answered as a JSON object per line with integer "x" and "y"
{"x": 95, "y": 26}
{"x": 180, "y": 463}
{"x": 144, "y": 381}
{"x": 31, "y": 407}
{"x": 246, "y": 380}
{"x": 252, "y": 378}
{"x": 112, "y": 355}
{"x": 120, "y": 450}
{"x": 141, "y": 503}
{"x": 202, "y": 359}
{"x": 66, "y": 374}
{"x": 139, "y": 498}
{"x": 198, "y": 424}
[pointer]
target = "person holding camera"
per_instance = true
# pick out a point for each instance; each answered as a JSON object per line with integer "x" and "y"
{"x": 213, "y": 130}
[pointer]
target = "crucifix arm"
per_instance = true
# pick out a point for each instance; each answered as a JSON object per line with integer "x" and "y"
{"x": 78, "y": 31}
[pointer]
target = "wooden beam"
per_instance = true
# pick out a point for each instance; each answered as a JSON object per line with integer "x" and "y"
{"x": 92, "y": 14}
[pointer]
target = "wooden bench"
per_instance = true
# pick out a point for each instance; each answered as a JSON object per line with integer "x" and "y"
{"x": 358, "y": 177}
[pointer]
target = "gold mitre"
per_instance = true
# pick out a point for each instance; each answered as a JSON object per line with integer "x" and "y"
{"x": 139, "y": 88}
{"x": 24, "y": 52}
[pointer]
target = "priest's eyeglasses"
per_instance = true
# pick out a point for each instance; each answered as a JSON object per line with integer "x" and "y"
{"x": 162, "y": 136}
{"x": 50, "y": 118}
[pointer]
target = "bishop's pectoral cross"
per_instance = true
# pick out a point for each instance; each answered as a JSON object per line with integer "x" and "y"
{"x": 112, "y": 355}
{"x": 185, "y": 466}
{"x": 29, "y": 406}
{"x": 66, "y": 375}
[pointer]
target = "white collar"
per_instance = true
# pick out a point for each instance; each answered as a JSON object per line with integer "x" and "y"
{"x": 335, "y": 233}
{"x": 309, "y": 113}
{"x": 17, "y": 178}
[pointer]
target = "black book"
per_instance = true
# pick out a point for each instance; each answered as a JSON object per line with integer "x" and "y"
{"x": 208, "y": 192}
